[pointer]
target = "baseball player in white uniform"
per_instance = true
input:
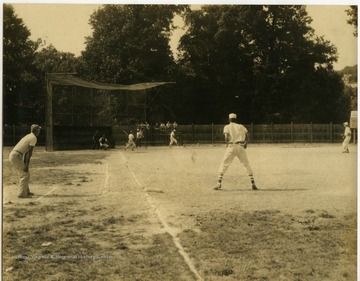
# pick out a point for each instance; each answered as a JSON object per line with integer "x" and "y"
{"x": 20, "y": 158}
{"x": 131, "y": 141}
{"x": 235, "y": 137}
{"x": 347, "y": 137}
{"x": 173, "y": 140}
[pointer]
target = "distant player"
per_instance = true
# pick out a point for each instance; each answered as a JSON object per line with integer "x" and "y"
{"x": 235, "y": 137}
{"x": 103, "y": 142}
{"x": 20, "y": 158}
{"x": 347, "y": 137}
{"x": 139, "y": 137}
{"x": 131, "y": 142}
{"x": 173, "y": 139}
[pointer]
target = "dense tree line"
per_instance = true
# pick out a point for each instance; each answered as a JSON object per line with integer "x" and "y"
{"x": 263, "y": 62}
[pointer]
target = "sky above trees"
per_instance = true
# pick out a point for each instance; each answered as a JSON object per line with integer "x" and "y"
{"x": 66, "y": 25}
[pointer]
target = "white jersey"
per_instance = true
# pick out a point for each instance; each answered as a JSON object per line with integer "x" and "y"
{"x": 172, "y": 135}
{"x": 131, "y": 137}
{"x": 24, "y": 144}
{"x": 236, "y": 132}
{"x": 347, "y": 132}
{"x": 139, "y": 135}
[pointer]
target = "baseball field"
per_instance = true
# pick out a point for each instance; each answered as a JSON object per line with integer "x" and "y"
{"x": 151, "y": 214}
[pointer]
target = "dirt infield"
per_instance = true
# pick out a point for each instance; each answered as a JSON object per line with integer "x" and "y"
{"x": 151, "y": 214}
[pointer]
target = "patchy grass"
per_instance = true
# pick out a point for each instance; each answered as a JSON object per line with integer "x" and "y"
{"x": 270, "y": 245}
{"x": 80, "y": 238}
{"x": 84, "y": 247}
{"x": 81, "y": 232}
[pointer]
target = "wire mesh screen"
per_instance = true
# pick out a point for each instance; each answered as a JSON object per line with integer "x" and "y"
{"x": 77, "y": 106}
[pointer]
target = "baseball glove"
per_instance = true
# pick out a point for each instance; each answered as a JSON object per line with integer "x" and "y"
{"x": 245, "y": 145}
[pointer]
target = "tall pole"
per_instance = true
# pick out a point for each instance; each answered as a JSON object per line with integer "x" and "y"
{"x": 49, "y": 116}
{"x": 145, "y": 104}
{"x": 146, "y": 132}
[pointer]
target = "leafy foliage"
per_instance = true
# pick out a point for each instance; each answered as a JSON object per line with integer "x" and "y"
{"x": 24, "y": 71}
{"x": 50, "y": 60}
{"x": 263, "y": 62}
{"x": 18, "y": 67}
{"x": 353, "y": 14}
{"x": 130, "y": 44}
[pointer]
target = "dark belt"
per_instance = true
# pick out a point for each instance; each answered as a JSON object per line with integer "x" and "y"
{"x": 237, "y": 142}
{"x": 19, "y": 152}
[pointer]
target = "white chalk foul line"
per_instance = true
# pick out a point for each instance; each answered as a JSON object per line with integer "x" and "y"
{"x": 46, "y": 193}
{"x": 166, "y": 226}
{"x": 105, "y": 185}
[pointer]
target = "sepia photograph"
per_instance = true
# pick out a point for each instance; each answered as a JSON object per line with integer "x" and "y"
{"x": 179, "y": 141}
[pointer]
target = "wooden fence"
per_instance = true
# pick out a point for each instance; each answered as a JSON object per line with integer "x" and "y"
{"x": 264, "y": 133}
{"x": 69, "y": 137}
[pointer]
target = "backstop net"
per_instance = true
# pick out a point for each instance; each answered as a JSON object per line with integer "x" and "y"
{"x": 76, "y": 108}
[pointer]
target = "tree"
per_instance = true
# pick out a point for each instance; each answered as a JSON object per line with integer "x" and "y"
{"x": 18, "y": 68}
{"x": 353, "y": 14}
{"x": 260, "y": 61}
{"x": 215, "y": 57}
{"x": 130, "y": 43}
{"x": 50, "y": 60}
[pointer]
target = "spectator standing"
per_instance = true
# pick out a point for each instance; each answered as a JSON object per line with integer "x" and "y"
{"x": 162, "y": 126}
{"x": 168, "y": 125}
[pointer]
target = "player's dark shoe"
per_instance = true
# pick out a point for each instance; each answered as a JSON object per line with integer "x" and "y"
{"x": 31, "y": 194}
{"x": 254, "y": 187}
{"x": 26, "y": 196}
{"x": 217, "y": 186}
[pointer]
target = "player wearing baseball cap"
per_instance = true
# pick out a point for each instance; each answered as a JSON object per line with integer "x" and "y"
{"x": 20, "y": 158}
{"x": 235, "y": 137}
{"x": 347, "y": 137}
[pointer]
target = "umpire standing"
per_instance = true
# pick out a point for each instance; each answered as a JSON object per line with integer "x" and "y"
{"x": 235, "y": 137}
{"x": 20, "y": 158}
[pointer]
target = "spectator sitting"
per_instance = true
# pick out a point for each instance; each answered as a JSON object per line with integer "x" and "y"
{"x": 168, "y": 125}
{"x": 103, "y": 143}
